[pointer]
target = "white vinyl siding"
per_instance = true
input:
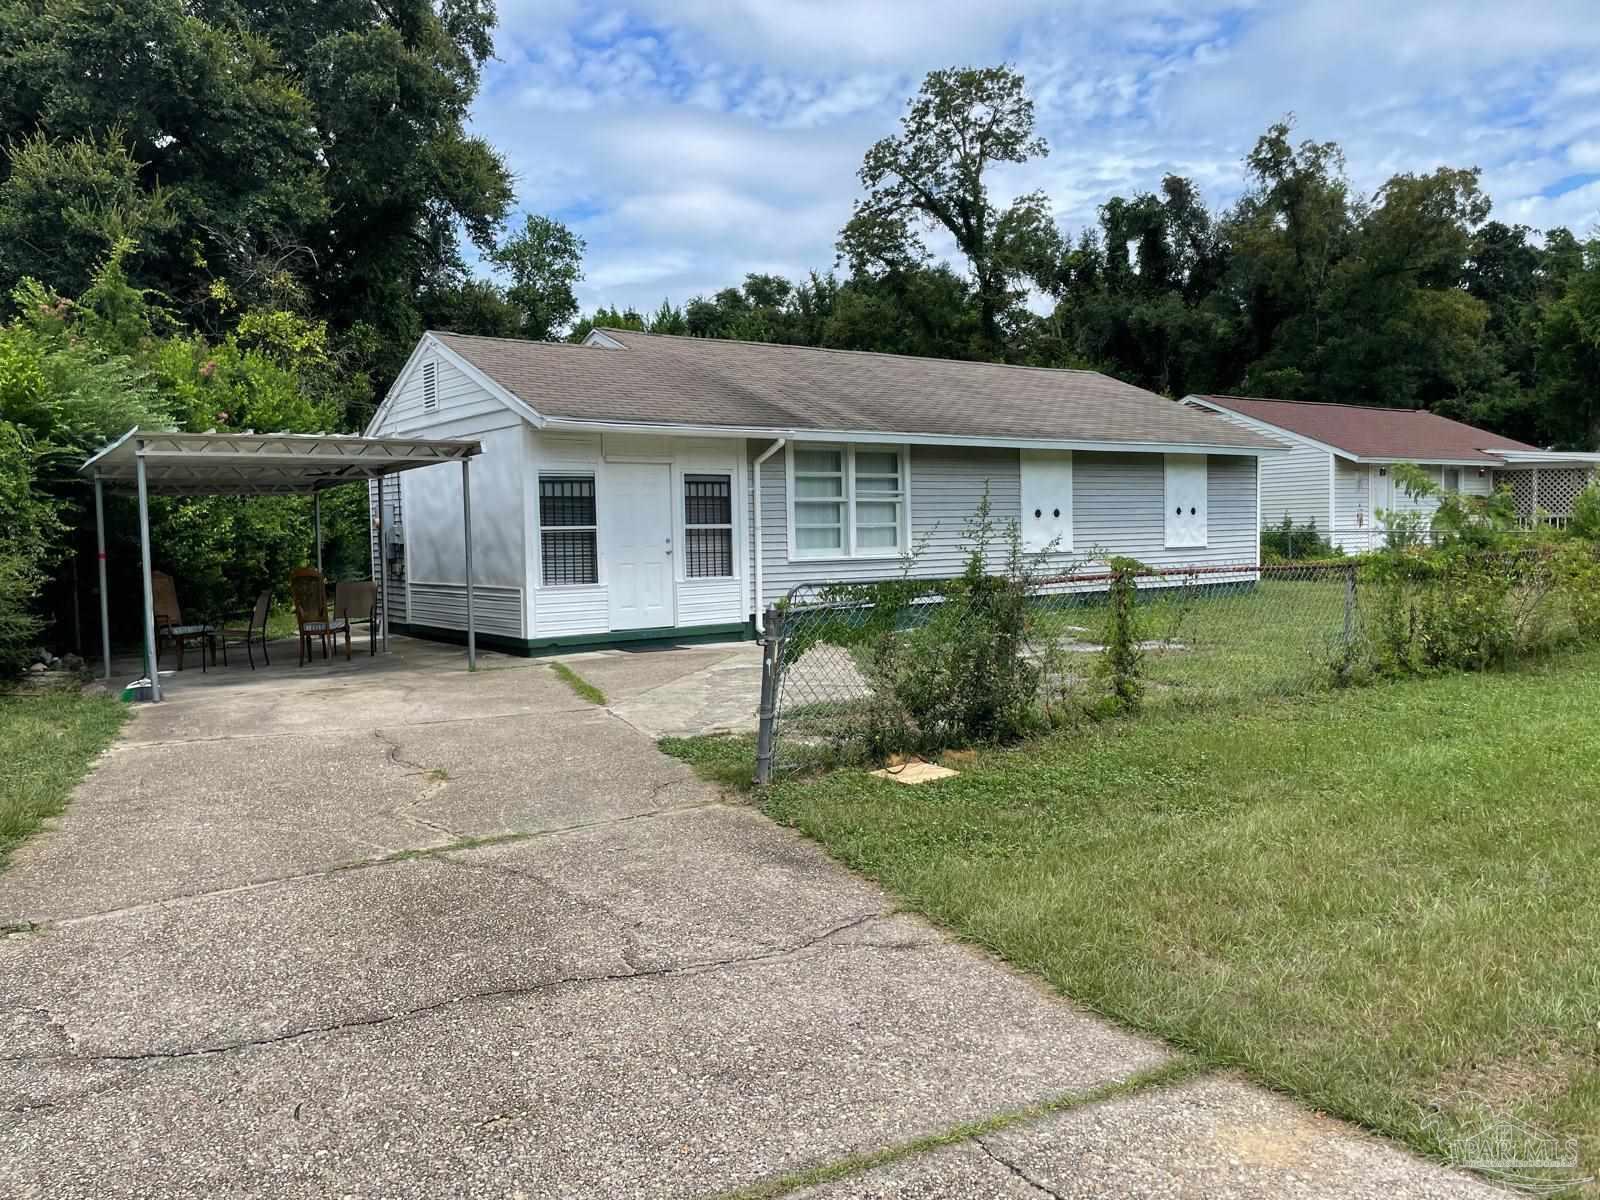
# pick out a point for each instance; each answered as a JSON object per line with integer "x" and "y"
{"x": 1117, "y": 504}
{"x": 427, "y": 504}
{"x": 495, "y": 610}
{"x": 585, "y": 610}
{"x": 1295, "y": 484}
{"x": 1185, "y": 500}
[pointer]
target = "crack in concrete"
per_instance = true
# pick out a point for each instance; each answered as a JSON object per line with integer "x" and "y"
{"x": 1016, "y": 1170}
{"x": 461, "y": 845}
{"x": 486, "y": 995}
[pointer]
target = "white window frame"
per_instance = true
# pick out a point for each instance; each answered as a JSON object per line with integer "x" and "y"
{"x": 848, "y": 548}
{"x": 599, "y": 565}
{"x": 687, "y": 476}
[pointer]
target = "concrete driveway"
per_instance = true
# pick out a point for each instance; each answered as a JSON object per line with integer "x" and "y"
{"x": 394, "y": 930}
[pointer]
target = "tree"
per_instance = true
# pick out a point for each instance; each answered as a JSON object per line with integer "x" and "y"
{"x": 65, "y": 205}
{"x": 933, "y": 175}
{"x": 607, "y": 318}
{"x": 465, "y": 304}
{"x": 544, "y": 261}
{"x": 325, "y": 143}
{"x": 1569, "y": 357}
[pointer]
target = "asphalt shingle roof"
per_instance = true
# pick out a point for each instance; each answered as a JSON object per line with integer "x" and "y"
{"x": 1410, "y": 433}
{"x": 657, "y": 379}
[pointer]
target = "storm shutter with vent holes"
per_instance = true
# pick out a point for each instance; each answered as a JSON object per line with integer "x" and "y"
{"x": 430, "y": 386}
{"x": 1186, "y": 500}
{"x": 567, "y": 529}
{"x": 708, "y": 526}
{"x": 1046, "y": 499}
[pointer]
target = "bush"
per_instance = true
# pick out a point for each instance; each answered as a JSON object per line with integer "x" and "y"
{"x": 1122, "y": 660}
{"x": 19, "y": 627}
{"x": 1289, "y": 542}
{"x": 1462, "y": 608}
{"x": 946, "y": 662}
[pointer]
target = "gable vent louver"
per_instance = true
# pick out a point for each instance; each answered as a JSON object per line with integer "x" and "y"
{"x": 430, "y": 387}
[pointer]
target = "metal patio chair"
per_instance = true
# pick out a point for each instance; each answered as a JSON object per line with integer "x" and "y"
{"x": 252, "y": 634}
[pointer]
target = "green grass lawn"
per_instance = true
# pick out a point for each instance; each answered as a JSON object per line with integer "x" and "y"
{"x": 1383, "y": 900}
{"x": 1276, "y": 637}
{"x": 47, "y": 742}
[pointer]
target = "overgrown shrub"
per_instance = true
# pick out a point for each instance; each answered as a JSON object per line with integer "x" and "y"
{"x": 1481, "y": 595}
{"x": 1288, "y": 542}
{"x": 1122, "y": 659}
{"x": 946, "y": 662}
{"x": 1585, "y": 520}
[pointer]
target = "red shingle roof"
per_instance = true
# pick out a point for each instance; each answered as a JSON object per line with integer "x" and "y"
{"x": 1400, "y": 433}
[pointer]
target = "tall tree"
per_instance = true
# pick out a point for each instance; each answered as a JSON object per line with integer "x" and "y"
{"x": 323, "y": 141}
{"x": 1569, "y": 355}
{"x": 544, "y": 260}
{"x": 934, "y": 176}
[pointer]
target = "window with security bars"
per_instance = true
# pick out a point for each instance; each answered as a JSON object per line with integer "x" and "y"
{"x": 568, "y": 533}
{"x": 708, "y": 526}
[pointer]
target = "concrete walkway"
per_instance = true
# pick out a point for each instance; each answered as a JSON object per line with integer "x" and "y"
{"x": 388, "y": 929}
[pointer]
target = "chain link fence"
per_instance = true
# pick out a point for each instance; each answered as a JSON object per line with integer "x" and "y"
{"x": 843, "y": 678}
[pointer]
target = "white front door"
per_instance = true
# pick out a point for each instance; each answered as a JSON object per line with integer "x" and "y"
{"x": 636, "y": 508}
{"x": 1384, "y": 498}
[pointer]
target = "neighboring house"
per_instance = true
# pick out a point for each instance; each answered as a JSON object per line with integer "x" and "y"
{"x": 1339, "y": 472}
{"x": 641, "y": 486}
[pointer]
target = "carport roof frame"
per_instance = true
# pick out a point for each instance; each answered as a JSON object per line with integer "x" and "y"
{"x": 261, "y": 464}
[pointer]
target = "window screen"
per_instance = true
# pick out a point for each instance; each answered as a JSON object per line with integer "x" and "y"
{"x": 708, "y": 526}
{"x": 567, "y": 530}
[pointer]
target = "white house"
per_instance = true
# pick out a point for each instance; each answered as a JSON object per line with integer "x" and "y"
{"x": 1339, "y": 472}
{"x": 641, "y": 486}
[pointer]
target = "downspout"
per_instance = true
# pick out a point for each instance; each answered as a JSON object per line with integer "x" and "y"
{"x": 755, "y": 534}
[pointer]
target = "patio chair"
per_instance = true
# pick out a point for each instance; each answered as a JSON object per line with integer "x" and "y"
{"x": 310, "y": 593}
{"x": 253, "y": 633}
{"x": 356, "y": 601}
{"x": 170, "y": 626}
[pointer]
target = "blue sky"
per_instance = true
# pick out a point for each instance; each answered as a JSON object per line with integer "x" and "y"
{"x": 692, "y": 141}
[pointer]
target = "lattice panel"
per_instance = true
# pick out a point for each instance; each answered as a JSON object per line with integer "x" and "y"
{"x": 1559, "y": 488}
{"x": 1521, "y": 485}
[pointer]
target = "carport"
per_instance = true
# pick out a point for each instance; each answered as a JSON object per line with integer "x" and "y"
{"x": 259, "y": 464}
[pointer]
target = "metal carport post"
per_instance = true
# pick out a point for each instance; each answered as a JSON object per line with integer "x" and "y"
{"x": 466, "y": 538}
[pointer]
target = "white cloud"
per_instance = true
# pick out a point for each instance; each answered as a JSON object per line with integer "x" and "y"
{"x": 691, "y": 141}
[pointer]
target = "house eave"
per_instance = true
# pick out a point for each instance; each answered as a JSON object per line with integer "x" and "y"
{"x": 580, "y": 425}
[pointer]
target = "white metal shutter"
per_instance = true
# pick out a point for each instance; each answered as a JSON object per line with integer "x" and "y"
{"x": 1186, "y": 500}
{"x": 1046, "y": 499}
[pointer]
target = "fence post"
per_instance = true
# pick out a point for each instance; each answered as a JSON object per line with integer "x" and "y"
{"x": 771, "y": 654}
{"x": 1349, "y": 605}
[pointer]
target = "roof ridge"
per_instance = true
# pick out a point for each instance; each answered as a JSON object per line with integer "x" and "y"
{"x": 970, "y": 362}
{"x": 1321, "y": 404}
{"x": 514, "y": 341}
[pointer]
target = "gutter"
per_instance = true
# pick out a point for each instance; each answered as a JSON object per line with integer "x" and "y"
{"x": 755, "y": 534}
